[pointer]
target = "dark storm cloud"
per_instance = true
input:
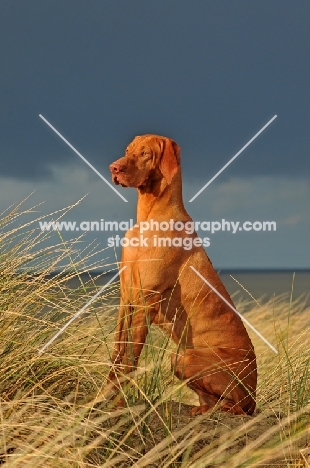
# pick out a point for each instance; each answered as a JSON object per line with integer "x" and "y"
{"x": 209, "y": 74}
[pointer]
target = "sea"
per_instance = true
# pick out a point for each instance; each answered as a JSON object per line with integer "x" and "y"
{"x": 244, "y": 285}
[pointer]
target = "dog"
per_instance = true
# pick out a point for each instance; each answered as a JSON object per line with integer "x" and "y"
{"x": 158, "y": 286}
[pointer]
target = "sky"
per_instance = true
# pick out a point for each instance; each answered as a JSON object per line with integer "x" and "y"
{"x": 208, "y": 74}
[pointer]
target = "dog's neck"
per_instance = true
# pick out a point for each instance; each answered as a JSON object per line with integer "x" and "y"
{"x": 162, "y": 201}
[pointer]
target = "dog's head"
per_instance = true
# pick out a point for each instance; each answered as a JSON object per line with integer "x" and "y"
{"x": 148, "y": 158}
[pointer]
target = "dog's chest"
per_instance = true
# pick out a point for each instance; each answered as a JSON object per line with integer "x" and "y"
{"x": 147, "y": 263}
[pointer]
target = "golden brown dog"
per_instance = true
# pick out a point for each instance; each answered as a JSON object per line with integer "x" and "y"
{"x": 215, "y": 354}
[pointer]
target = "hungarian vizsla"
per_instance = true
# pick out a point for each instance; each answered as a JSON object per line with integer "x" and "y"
{"x": 215, "y": 354}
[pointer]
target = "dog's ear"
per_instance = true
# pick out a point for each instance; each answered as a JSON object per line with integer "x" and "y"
{"x": 170, "y": 159}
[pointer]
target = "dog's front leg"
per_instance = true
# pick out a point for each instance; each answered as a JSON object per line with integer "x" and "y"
{"x": 131, "y": 332}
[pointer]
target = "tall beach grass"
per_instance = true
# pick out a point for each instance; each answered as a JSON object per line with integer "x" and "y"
{"x": 52, "y": 413}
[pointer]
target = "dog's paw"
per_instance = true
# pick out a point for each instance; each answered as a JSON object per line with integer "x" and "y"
{"x": 199, "y": 410}
{"x": 233, "y": 408}
{"x": 115, "y": 404}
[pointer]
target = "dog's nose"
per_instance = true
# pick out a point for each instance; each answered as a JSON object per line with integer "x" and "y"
{"x": 116, "y": 167}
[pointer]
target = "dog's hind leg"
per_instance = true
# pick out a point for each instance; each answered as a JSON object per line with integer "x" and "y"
{"x": 217, "y": 385}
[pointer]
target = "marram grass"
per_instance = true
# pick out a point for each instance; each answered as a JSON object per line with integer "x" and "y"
{"x": 51, "y": 409}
